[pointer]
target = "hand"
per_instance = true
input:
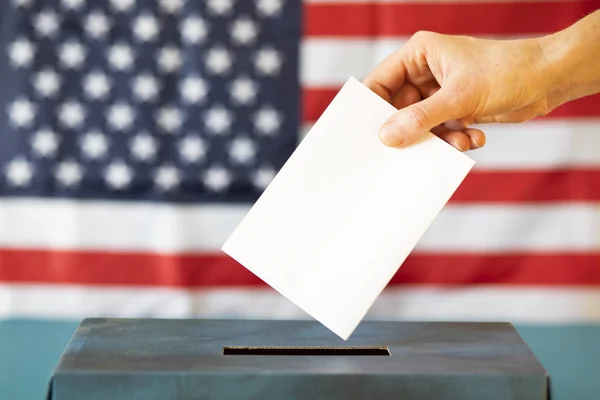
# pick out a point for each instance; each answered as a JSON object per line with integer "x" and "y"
{"x": 442, "y": 84}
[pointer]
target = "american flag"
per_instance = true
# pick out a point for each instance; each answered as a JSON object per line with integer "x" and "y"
{"x": 135, "y": 135}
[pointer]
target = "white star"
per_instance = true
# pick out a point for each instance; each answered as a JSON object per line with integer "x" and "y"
{"x": 146, "y": 27}
{"x": 171, "y": 6}
{"x": 145, "y": 87}
{"x": 22, "y": 112}
{"x": 193, "y": 89}
{"x": 263, "y": 177}
{"x": 218, "y": 119}
{"x": 192, "y": 149}
{"x": 71, "y": 114}
{"x": 143, "y": 147}
{"x": 267, "y": 121}
{"x": 118, "y": 175}
{"x": 72, "y": 54}
{"x": 73, "y": 4}
{"x": 268, "y": 61}
{"x": 242, "y": 150}
{"x": 22, "y": 3}
{"x": 269, "y": 8}
{"x": 120, "y": 56}
{"x": 96, "y": 85}
{"x": 244, "y": 31}
{"x": 68, "y": 173}
{"x": 169, "y": 59}
{"x": 94, "y": 144}
{"x": 167, "y": 177}
{"x": 217, "y": 178}
{"x": 169, "y": 118}
{"x": 21, "y": 52}
{"x": 220, "y": 7}
{"x": 46, "y": 23}
{"x": 194, "y": 30}
{"x": 47, "y": 82}
{"x": 97, "y": 25}
{"x": 218, "y": 60}
{"x": 243, "y": 90}
{"x": 45, "y": 142}
{"x": 120, "y": 116}
{"x": 122, "y": 5}
{"x": 19, "y": 172}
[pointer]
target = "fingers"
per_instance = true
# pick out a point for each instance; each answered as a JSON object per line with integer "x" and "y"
{"x": 380, "y": 89}
{"x": 389, "y": 76}
{"x": 467, "y": 139}
{"x": 455, "y": 132}
{"x": 428, "y": 88}
{"x": 477, "y": 138}
{"x": 458, "y": 140}
{"x": 407, "y": 95}
{"x": 405, "y": 80}
{"x": 409, "y": 123}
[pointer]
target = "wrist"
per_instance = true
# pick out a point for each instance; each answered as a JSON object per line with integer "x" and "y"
{"x": 570, "y": 60}
{"x": 558, "y": 63}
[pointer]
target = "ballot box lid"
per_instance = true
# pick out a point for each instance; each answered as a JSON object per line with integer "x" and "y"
{"x": 210, "y": 359}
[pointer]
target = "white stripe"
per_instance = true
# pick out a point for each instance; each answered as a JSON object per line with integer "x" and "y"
{"x": 541, "y": 143}
{"x": 64, "y": 224}
{"x": 569, "y": 227}
{"x": 534, "y": 305}
{"x": 329, "y": 62}
{"x": 537, "y": 144}
{"x": 165, "y": 228}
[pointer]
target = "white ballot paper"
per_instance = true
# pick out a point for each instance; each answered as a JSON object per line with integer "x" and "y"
{"x": 345, "y": 211}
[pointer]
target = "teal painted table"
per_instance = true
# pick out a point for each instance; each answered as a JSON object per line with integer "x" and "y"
{"x": 30, "y": 349}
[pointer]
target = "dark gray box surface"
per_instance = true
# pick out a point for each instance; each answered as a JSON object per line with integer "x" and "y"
{"x": 183, "y": 359}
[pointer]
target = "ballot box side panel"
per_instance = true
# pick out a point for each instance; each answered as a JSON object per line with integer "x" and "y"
{"x": 131, "y": 386}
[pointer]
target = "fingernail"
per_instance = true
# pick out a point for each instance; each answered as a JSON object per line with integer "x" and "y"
{"x": 389, "y": 134}
{"x": 479, "y": 140}
{"x": 456, "y": 145}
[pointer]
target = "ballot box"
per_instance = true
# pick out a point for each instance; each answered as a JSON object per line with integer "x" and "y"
{"x": 157, "y": 359}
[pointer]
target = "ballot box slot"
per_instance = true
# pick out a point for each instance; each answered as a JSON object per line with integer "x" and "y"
{"x": 307, "y": 350}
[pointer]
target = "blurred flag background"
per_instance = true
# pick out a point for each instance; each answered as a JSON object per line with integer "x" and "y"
{"x": 135, "y": 134}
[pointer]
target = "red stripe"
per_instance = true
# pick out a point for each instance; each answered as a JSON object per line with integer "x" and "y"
{"x": 316, "y": 100}
{"x": 190, "y": 271}
{"x": 472, "y": 18}
{"x": 529, "y": 186}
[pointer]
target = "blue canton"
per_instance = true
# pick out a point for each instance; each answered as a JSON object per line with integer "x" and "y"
{"x": 163, "y": 100}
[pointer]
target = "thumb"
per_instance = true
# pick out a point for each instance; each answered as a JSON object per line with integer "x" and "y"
{"x": 410, "y": 123}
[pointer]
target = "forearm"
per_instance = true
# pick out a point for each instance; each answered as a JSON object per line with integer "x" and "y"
{"x": 573, "y": 56}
